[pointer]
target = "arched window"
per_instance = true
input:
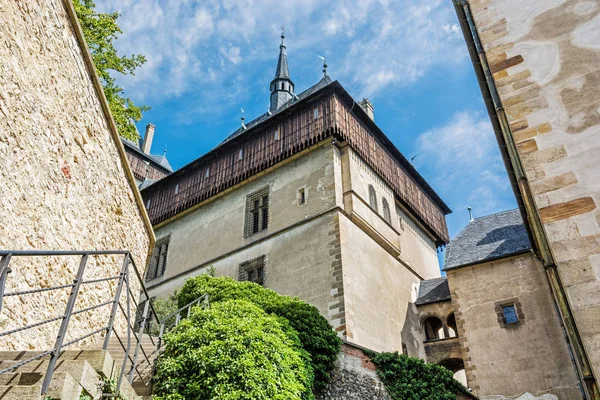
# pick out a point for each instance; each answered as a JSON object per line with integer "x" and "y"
{"x": 372, "y": 198}
{"x": 451, "y": 322}
{"x": 386, "y": 211}
{"x": 434, "y": 329}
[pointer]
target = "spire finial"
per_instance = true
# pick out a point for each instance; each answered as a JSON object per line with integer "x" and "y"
{"x": 324, "y": 65}
{"x": 282, "y": 35}
{"x": 165, "y": 151}
{"x": 470, "y": 213}
{"x": 243, "y": 124}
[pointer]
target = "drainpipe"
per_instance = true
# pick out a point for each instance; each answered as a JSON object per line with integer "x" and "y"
{"x": 525, "y": 199}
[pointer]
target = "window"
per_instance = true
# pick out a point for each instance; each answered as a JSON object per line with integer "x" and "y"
{"x": 276, "y": 134}
{"x": 241, "y": 154}
{"x": 253, "y": 270}
{"x": 316, "y": 113}
{"x": 386, "y": 211}
{"x": 207, "y": 173}
{"x": 177, "y": 188}
{"x": 509, "y": 314}
{"x": 257, "y": 212}
{"x": 372, "y": 198}
{"x": 301, "y": 196}
{"x": 158, "y": 260}
{"x": 404, "y": 349}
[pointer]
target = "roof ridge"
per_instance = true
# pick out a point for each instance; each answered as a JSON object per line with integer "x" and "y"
{"x": 494, "y": 214}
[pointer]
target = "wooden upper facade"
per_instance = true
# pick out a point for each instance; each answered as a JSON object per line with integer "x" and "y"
{"x": 327, "y": 112}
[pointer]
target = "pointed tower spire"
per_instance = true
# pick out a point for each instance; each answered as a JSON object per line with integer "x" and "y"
{"x": 282, "y": 86}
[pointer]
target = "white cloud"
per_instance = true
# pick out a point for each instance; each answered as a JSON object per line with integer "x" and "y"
{"x": 194, "y": 46}
{"x": 462, "y": 158}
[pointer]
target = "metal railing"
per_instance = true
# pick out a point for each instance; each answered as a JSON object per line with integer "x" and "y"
{"x": 128, "y": 272}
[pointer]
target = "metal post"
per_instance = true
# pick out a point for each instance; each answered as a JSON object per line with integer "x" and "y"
{"x": 177, "y": 319}
{"x": 4, "y": 270}
{"x": 128, "y": 317}
{"x": 115, "y": 305}
{"x": 139, "y": 340}
{"x": 64, "y": 324}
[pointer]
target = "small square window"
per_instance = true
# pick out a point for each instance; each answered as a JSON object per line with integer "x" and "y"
{"x": 509, "y": 314}
{"x": 253, "y": 270}
{"x": 301, "y": 196}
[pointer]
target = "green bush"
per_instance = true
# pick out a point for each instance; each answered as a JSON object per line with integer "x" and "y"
{"x": 407, "y": 378}
{"x": 315, "y": 333}
{"x": 233, "y": 351}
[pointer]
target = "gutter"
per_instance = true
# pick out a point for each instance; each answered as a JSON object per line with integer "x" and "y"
{"x": 525, "y": 200}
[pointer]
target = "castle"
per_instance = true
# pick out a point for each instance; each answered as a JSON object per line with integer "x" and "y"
{"x": 311, "y": 199}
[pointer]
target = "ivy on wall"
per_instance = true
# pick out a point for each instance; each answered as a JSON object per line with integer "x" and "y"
{"x": 408, "y": 378}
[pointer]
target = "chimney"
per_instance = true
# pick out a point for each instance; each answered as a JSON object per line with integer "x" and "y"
{"x": 147, "y": 144}
{"x": 367, "y": 107}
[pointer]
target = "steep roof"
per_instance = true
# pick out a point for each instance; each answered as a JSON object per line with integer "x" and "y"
{"x": 157, "y": 160}
{"x": 433, "y": 291}
{"x": 325, "y": 81}
{"x": 282, "y": 71}
{"x": 488, "y": 238}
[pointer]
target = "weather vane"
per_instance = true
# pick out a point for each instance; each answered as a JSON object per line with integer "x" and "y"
{"x": 324, "y": 64}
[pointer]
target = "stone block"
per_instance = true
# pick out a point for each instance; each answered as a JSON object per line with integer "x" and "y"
{"x": 568, "y": 209}
{"x": 553, "y": 183}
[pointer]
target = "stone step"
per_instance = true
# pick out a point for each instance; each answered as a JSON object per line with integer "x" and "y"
{"x": 87, "y": 367}
{"x": 25, "y": 386}
{"x": 81, "y": 370}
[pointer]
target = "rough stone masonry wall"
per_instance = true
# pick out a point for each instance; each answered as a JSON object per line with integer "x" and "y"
{"x": 63, "y": 185}
{"x": 545, "y": 55}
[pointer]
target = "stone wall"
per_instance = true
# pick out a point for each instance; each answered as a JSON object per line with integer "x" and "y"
{"x": 545, "y": 56}
{"x": 508, "y": 361}
{"x": 354, "y": 378}
{"x": 64, "y": 179}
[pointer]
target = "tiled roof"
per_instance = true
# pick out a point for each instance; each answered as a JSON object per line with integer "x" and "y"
{"x": 160, "y": 160}
{"x": 326, "y": 80}
{"x": 433, "y": 291}
{"x": 488, "y": 238}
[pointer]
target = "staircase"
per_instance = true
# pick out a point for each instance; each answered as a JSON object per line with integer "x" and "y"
{"x": 77, "y": 373}
{"x": 144, "y": 365}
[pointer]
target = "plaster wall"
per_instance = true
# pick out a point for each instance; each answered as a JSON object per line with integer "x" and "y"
{"x": 380, "y": 314}
{"x": 530, "y": 357}
{"x": 416, "y": 247}
{"x": 217, "y": 228}
{"x": 297, "y": 264}
{"x": 63, "y": 176}
{"x": 297, "y": 244}
{"x": 545, "y": 56}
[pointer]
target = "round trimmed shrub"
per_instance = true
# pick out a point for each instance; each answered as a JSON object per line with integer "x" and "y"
{"x": 233, "y": 351}
{"x": 315, "y": 333}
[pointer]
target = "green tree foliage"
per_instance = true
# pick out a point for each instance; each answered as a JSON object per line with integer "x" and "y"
{"x": 315, "y": 333}
{"x": 407, "y": 378}
{"x": 233, "y": 350}
{"x": 100, "y": 30}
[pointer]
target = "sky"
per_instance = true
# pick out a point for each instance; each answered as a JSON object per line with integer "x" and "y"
{"x": 207, "y": 59}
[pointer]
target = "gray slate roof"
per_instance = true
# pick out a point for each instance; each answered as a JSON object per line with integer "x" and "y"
{"x": 433, "y": 291}
{"x": 488, "y": 238}
{"x": 326, "y": 80}
{"x": 160, "y": 160}
{"x": 282, "y": 71}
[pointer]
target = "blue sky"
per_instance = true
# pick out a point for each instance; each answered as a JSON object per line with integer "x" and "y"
{"x": 209, "y": 58}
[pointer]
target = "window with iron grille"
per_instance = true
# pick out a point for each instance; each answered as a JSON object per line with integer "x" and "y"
{"x": 253, "y": 270}
{"x": 372, "y": 198}
{"x": 257, "y": 212}
{"x": 158, "y": 261}
{"x": 387, "y": 215}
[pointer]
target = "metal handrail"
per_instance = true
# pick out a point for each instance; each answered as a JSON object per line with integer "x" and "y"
{"x": 59, "y": 344}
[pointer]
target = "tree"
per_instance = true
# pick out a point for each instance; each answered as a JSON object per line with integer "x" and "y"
{"x": 233, "y": 351}
{"x": 100, "y": 30}
{"x": 316, "y": 335}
